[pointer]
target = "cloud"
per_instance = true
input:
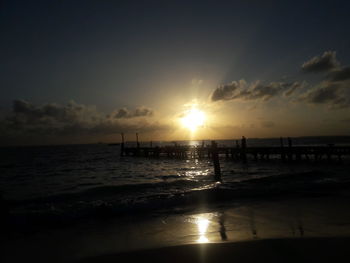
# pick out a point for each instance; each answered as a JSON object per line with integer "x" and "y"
{"x": 255, "y": 91}
{"x": 225, "y": 92}
{"x": 340, "y": 74}
{"x": 295, "y": 86}
{"x": 138, "y": 112}
{"x": 72, "y": 112}
{"x": 333, "y": 91}
{"x": 143, "y": 112}
{"x": 261, "y": 91}
{"x": 122, "y": 113}
{"x": 326, "y": 62}
{"x": 332, "y": 94}
{"x": 72, "y": 119}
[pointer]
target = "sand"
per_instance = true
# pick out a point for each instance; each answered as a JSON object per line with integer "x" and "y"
{"x": 313, "y": 229}
{"x": 269, "y": 250}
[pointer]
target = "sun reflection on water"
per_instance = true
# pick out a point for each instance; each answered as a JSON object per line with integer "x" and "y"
{"x": 207, "y": 186}
{"x": 203, "y": 221}
{"x": 202, "y": 225}
{"x": 206, "y": 227}
{"x": 202, "y": 239}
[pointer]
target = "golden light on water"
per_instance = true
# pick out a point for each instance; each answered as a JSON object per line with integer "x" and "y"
{"x": 202, "y": 239}
{"x": 202, "y": 224}
{"x": 193, "y": 119}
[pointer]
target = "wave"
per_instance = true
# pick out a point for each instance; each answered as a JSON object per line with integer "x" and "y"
{"x": 166, "y": 197}
{"x": 112, "y": 190}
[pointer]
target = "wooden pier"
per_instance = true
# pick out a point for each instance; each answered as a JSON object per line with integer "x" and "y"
{"x": 241, "y": 152}
{"x": 295, "y": 153}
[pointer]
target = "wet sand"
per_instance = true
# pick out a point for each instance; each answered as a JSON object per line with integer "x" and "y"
{"x": 295, "y": 229}
{"x": 269, "y": 250}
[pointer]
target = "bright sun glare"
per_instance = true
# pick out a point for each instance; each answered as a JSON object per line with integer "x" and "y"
{"x": 202, "y": 224}
{"x": 193, "y": 119}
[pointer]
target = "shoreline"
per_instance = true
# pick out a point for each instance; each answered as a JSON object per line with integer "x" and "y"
{"x": 297, "y": 219}
{"x": 267, "y": 250}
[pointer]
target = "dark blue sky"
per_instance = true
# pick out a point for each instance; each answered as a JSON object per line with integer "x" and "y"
{"x": 91, "y": 50}
{"x": 130, "y": 53}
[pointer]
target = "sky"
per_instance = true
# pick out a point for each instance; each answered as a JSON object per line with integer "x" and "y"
{"x": 84, "y": 71}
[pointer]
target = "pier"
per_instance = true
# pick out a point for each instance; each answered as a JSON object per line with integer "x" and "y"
{"x": 243, "y": 153}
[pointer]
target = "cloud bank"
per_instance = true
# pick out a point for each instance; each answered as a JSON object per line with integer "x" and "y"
{"x": 74, "y": 119}
{"x": 333, "y": 91}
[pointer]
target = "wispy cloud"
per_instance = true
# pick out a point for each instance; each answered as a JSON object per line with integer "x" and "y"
{"x": 138, "y": 112}
{"x": 340, "y": 74}
{"x": 255, "y": 91}
{"x": 331, "y": 94}
{"x": 323, "y": 63}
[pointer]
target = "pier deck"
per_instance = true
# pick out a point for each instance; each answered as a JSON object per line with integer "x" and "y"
{"x": 316, "y": 153}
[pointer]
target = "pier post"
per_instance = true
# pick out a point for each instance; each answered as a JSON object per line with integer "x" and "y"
{"x": 244, "y": 149}
{"x": 137, "y": 141}
{"x": 137, "y": 145}
{"x": 122, "y": 150}
{"x": 237, "y": 151}
{"x": 283, "y": 156}
{"x": 216, "y": 162}
{"x": 156, "y": 152}
{"x": 329, "y": 153}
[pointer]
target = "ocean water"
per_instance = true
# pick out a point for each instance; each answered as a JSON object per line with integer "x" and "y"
{"x": 70, "y": 182}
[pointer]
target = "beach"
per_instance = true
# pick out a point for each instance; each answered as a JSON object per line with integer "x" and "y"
{"x": 270, "y": 250}
{"x": 288, "y": 229}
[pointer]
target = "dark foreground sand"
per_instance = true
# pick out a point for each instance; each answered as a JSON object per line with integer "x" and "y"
{"x": 313, "y": 229}
{"x": 270, "y": 250}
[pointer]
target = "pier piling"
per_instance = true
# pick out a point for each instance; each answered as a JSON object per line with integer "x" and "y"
{"x": 216, "y": 162}
{"x": 244, "y": 149}
{"x": 122, "y": 149}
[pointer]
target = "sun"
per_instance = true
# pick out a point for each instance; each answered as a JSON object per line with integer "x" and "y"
{"x": 193, "y": 119}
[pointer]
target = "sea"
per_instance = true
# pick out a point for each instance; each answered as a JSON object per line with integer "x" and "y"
{"x": 68, "y": 183}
